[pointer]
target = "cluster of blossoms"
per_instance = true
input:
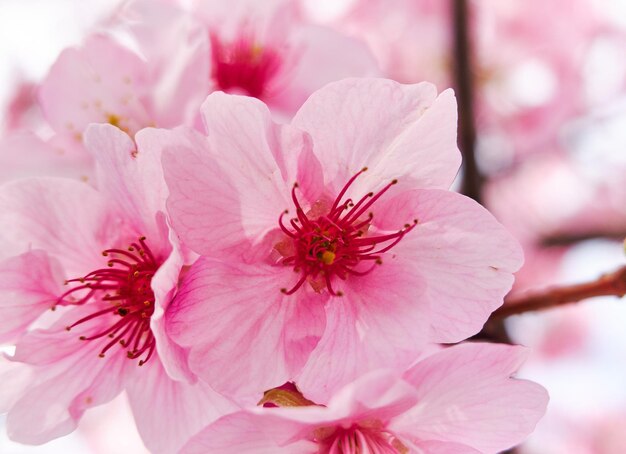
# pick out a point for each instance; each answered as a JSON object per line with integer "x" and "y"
{"x": 261, "y": 260}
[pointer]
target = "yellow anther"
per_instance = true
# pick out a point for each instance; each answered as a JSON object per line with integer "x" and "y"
{"x": 114, "y": 120}
{"x": 328, "y": 257}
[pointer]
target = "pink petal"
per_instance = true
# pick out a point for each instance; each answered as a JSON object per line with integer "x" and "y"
{"x": 462, "y": 254}
{"x": 272, "y": 19}
{"x": 68, "y": 377}
{"x": 101, "y": 82}
{"x": 322, "y": 55}
{"x": 466, "y": 396}
{"x": 310, "y": 175}
{"x": 442, "y": 447}
{"x": 67, "y": 219}
{"x": 130, "y": 174}
{"x": 381, "y": 321}
{"x": 164, "y": 285}
{"x": 380, "y": 394}
{"x": 248, "y": 433}
{"x": 169, "y": 412}
{"x": 177, "y": 55}
{"x": 245, "y": 336}
{"x": 29, "y": 285}
{"x": 25, "y": 155}
{"x": 395, "y": 130}
{"x": 14, "y": 378}
{"x": 233, "y": 189}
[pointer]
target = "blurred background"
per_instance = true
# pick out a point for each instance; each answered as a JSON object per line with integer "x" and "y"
{"x": 541, "y": 87}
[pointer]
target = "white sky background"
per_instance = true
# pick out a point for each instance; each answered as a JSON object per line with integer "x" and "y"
{"x": 33, "y": 32}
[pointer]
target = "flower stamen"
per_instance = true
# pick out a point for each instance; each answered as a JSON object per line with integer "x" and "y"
{"x": 336, "y": 243}
{"x": 126, "y": 286}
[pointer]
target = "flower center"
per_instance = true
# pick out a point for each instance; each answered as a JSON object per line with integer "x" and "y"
{"x": 365, "y": 437}
{"x": 335, "y": 244}
{"x": 124, "y": 286}
{"x": 243, "y": 65}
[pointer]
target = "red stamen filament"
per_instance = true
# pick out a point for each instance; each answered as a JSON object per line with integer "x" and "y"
{"x": 370, "y": 437}
{"x": 125, "y": 284}
{"x": 334, "y": 244}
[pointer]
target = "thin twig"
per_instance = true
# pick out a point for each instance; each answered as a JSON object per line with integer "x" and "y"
{"x": 472, "y": 179}
{"x": 612, "y": 284}
{"x": 568, "y": 240}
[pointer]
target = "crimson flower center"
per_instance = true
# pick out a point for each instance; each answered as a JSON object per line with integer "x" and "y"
{"x": 243, "y": 65}
{"x": 336, "y": 244}
{"x": 365, "y": 437}
{"x": 125, "y": 288}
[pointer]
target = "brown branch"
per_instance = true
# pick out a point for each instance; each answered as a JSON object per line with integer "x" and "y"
{"x": 612, "y": 284}
{"x": 568, "y": 240}
{"x": 464, "y": 84}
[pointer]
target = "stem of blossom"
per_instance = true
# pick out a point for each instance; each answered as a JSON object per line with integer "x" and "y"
{"x": 612, "y": 284}
{"x": 567, "y": 240}
{"x": 464, "y": 85}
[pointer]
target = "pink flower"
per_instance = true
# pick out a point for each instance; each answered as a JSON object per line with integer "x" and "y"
{"x": 460, "y": 400}
{"x": 121, "y": 264}
{"x": 268, "y": 50}
{"x": 364, "y": 268}
{"x": 113, "y": 78}
{"x": 171, "y": 61}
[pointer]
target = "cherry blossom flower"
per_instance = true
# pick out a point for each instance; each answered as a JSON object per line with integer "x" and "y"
{"x": 460, "y": 400}
{"x": 121, "y": 266}
{"x": 104, "y": 81}
{"x": 154, "y": 63}
{"x": 270, "y": 51}
{"x": 357, "y": 265}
